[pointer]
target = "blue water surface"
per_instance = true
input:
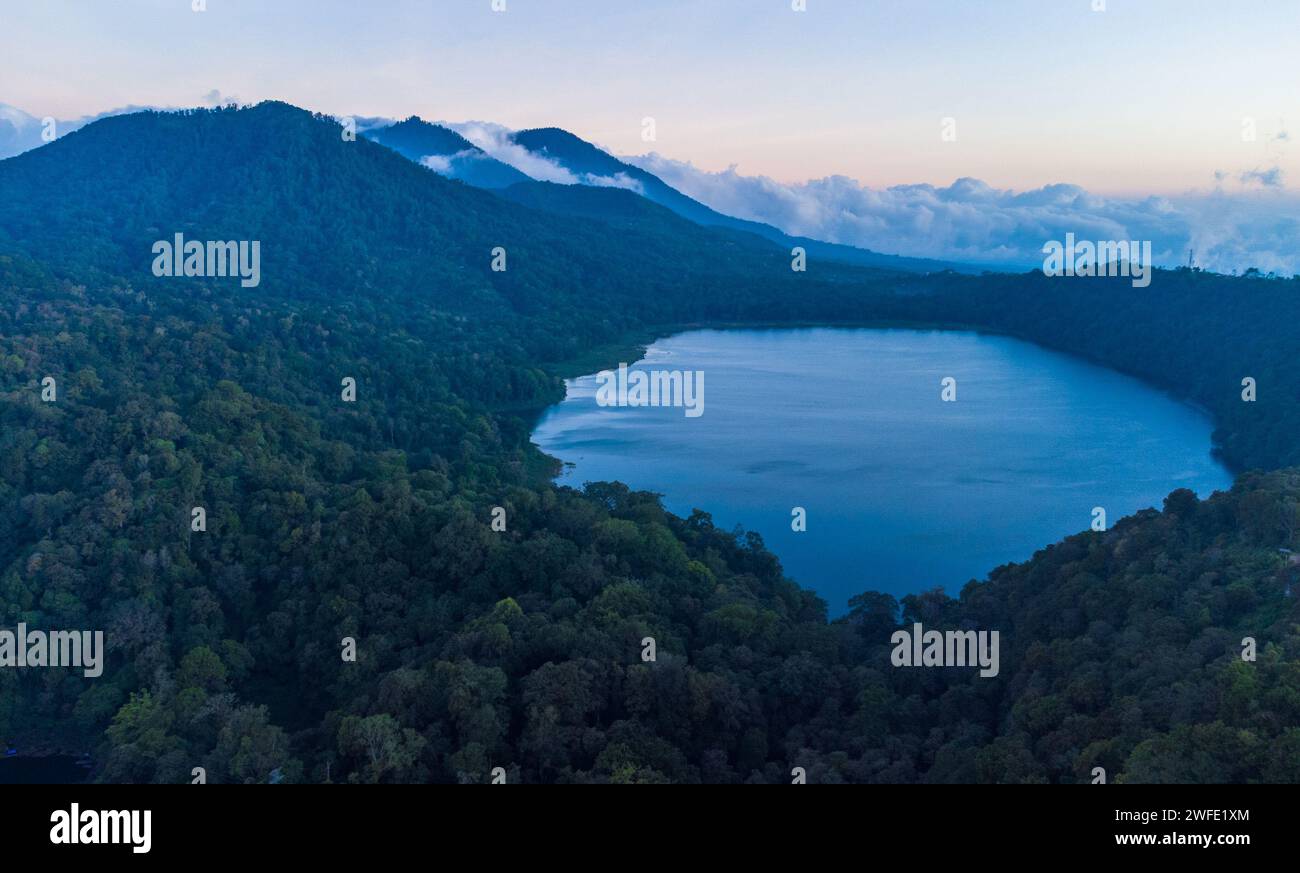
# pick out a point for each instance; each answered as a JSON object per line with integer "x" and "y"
{"x": 903, "y": 491}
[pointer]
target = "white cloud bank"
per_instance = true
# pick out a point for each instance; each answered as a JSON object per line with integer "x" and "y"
{"x": 1249, "y": 220}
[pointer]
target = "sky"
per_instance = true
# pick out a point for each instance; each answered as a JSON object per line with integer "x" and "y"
{"x": 1147, "y": 96}
{"x": 966, "y": 129}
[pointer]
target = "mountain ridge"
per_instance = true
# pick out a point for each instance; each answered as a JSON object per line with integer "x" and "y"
{"x": 585, "y": 161}
{"x": 458, "y": 225}
{"x": 419, "y": 140}
{"x": 582, "y": 157}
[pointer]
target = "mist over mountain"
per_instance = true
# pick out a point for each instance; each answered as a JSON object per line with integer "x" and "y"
{"x": 446, "y": 152}
{"x": 1247, "y": 221}
{"x": 557, "y": 156}
{"x": 498, "y": 158}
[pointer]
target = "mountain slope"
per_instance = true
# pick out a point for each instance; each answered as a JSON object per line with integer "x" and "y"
{"x": 620, "y": 207}
{"x": 582, "y": 158}
{"x": 332, "y": 217}
{"x": 447, "y": 152}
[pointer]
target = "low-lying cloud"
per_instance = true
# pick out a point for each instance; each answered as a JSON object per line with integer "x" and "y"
{"x": 498, "y": 142}
{"x": 1248, "y": 220}
{"x": 443, "y": 163}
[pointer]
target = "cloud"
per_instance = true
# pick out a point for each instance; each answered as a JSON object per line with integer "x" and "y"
{"x": 1257, "y": 225}
{"x": 216, "y": 98}
{"x": 366, "y": 123}
{"x": 442, "y": 164}
{"x": 618, "y": 180}
{"x": 1270, "y": 178}
{"x": 497, "y": 141}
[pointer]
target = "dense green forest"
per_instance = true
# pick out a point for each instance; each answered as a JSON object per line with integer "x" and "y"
{"x": 521, "y": 648}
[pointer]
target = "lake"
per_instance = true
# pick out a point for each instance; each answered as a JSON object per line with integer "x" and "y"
{"x": 903, "y": 491}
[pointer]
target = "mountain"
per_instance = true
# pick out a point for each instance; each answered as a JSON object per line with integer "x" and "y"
{"x": 392, "y": 227}
{"x": 450, "y": 154}
{"x": 584, "y": 159}
{"x": 622, "y": 208}
{"x": 447, "y": 152}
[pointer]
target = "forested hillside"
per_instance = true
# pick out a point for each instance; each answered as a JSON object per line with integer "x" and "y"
{"x": 521, "y": 649}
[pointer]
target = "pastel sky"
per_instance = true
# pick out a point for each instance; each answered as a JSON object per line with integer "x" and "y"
{"x": 1148, "y": 96}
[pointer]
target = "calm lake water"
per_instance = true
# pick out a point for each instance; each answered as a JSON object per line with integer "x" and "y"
{"x": 903, "y": 491}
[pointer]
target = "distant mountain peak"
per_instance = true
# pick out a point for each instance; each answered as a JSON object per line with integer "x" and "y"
{"x": 265, "y": 107}
{"x": 555, "y": 134}
{"x": 446, "y": 152}
{"x": 414, "y": 134}
{"x": 574, "y": 153}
